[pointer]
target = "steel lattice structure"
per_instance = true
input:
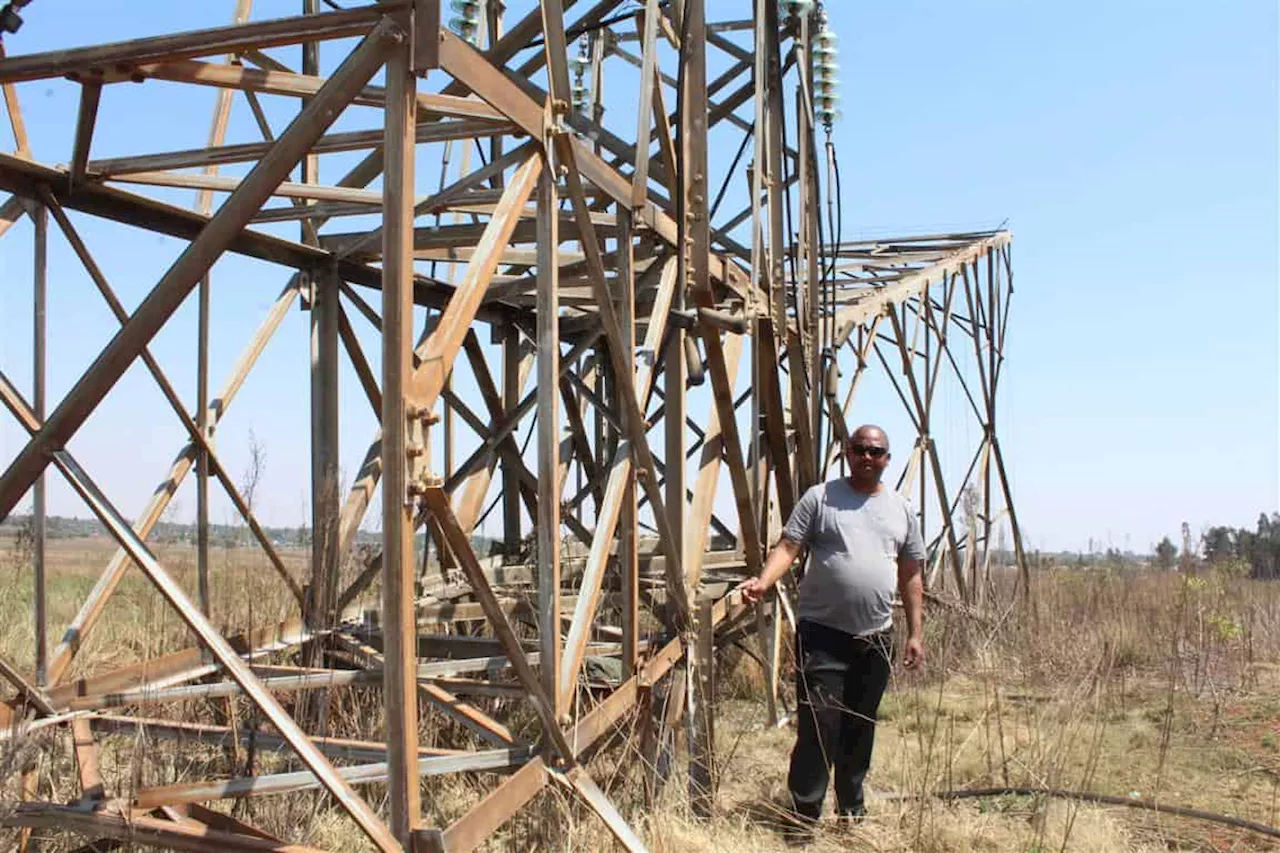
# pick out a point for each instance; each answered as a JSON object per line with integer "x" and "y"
{"x": 667, "y": 346}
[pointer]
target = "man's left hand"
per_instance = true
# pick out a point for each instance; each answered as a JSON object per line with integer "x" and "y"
{"x": 913, "y": 653}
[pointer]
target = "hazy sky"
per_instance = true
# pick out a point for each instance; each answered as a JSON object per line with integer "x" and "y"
{"x": 1130, "y": 147}
{"x": 1133, "y": 148}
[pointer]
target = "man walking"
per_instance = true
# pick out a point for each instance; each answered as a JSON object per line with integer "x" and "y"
{"x": 864, "y": 541}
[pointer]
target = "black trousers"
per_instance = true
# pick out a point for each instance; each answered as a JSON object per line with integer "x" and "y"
{"x": 840, "y": 679}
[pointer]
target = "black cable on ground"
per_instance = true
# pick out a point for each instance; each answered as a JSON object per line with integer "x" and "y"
{"x": 1089, "y": 797}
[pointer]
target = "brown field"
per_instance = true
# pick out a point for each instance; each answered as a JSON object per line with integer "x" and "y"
{"x": 1162, "y": 688}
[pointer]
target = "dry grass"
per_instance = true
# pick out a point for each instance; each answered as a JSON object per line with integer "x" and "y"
{"x": 1159, "y": 687}
{"x": 1156, "y": 687}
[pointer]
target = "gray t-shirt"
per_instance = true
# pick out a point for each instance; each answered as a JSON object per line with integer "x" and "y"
{"x": 854, "y": 542}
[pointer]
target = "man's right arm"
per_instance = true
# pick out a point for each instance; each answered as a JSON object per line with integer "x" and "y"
{"x": 780, "y": 559}
{"x": 794, "y": 538}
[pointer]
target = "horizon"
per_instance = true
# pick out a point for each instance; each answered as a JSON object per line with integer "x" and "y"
{"x": 16, "y": 520}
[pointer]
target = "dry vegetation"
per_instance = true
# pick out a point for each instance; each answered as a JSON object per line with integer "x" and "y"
{"x": 1162, "y": 688}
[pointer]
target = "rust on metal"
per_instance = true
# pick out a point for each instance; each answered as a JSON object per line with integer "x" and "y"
{"x": 613, "y": 258}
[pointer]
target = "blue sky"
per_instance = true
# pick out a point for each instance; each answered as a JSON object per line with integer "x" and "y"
{"x": 1130, "y": 148}
{"x": 1133, "y": 148}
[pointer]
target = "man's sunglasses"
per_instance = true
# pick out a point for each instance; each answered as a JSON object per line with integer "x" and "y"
{"x": 865, "y": 450}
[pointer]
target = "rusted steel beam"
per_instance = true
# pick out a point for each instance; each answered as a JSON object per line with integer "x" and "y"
{"x": 549, "y": 494}
{"x": 723, "y": 378}
{"x": 39, "y": 376}
{"x": 426, "y": 39}
{"x": 90, "y": 97}
{"x": 428, "y": 106}
{"x": 14, "y": 109}
{"x": 33, "y": 694}
{"x": 648, "y": 32}
{"x": 458, "y": 236}
{"x": 221, "y": 155}
{"x": 628, "y": 515}
{"x": 86, "y": 752}
{"x": 475, "y": 827}
{"x": 360, "y": 364}
{"x": 125, "y": 55}
{"x": 518, "y": 481}
{"x": 223, "y": 822}
{"x": 213, "y": 183}
{"x": 204, "y": 204}
{"x": 679, "y": 369}
{"x": 10, "y": 212}
{"x": 402, "y": 422}
{"x": 326, "y": 494}
{"x": 338, "y": 748}
{"x": 276, "y": 784}
{"x": 192, "y": 836}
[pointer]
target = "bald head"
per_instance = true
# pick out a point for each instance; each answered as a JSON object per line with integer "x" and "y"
{"x": 867, "y": 452}
{"x": 872, "y": 432}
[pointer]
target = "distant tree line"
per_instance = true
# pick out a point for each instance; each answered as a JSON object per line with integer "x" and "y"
{"x": 19, "y": 529}
{"x": 1222, "y": 545}
{"x": 1259, "y": 548}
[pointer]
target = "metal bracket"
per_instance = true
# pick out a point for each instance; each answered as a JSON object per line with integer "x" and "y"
{"x": 419, "y": 421}
{"x": 425, "y": 36}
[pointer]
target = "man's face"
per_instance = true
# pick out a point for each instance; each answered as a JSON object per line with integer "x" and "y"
{"x": 868, "y": 455}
